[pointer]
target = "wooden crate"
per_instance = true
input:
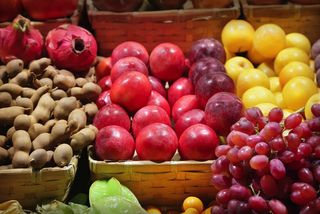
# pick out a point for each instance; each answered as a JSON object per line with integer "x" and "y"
{"x": 34, "y": 187}
{"x": 150, "y": 28}
{"x": 164, "y": 184}
{"x": 45, "y": 26}
{"x": 291, "y": 17}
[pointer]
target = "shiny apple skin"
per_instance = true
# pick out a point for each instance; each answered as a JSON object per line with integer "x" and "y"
{"x": 223, "y": 110}
{"x": 192, "y": 117}
{"x": 184, "y": 104}
{"x": 157, "y": 85}
{"x": 114, "y": 143}
{"x": 130, "y": 48}
{"x": 112, "y": 115}
{"x": 156, "y": 142}
{"x": 198, "y": 142}
{"x": 158, "y": 100}
{"x": 167, "y": 62}
{"x": 148, "y": 115}
{"x": 103, "y": 99}
{"x": 131, "y": 90}
{"x": 180, "y": 87}
{"x": 127, "y": 64}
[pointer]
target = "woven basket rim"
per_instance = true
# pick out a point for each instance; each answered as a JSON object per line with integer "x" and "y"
{"x": 93, "y": 11}
{"x": 72, "y": 166}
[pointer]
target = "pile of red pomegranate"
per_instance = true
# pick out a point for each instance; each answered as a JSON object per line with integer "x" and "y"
{"x": 159, "y": 104}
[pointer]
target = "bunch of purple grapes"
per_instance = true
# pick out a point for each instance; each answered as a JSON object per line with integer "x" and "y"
{"x": 269, "y": 164}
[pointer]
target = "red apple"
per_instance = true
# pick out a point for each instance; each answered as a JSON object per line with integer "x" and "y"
{"x": 192, "y": 117}
{"x": 103, "y": 99}
{"x": 223, "y": 110}
{"x": 203, "y": 66}
{"x": 167, "y": 62}
{"x": 156, "y": 142}
{"x": 105, "y": 83}
{"x": 212, "y": 83}
{"x": 130, "y": 48}
{"x": 157, "y": 86}
{"x": 184, "y": 104}
{"x": 114, "y": 143}
{"x": 112, "y": 115}
{"x": 148, "y": 115}
{"x": 131, "y": 90}
{"x": 182, "y": 86}
{"x": 103, "y": 67}
{"x": 128, "y": 64}
{"x": 158, "y": 100}
{"x": 198, "y": 142}
{"x": 207, "y": 48}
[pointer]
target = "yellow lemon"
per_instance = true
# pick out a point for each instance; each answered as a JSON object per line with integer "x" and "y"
{"x": 267, "y": 68}
{"x": 250, "y": 78}
{"x": 297, "y": 91}
{"x": 298, "y": 40}
{"x": 269, "y": 40}
{"x": 279, "y": 99}
{"x": 256, "y": 95}
{"x": 274, "y": 84}
{"x": 295, "y": 69}
{"x": 236, "y": 65}
{"x": 237, "y": 36}
{"x": 289, "y": 55}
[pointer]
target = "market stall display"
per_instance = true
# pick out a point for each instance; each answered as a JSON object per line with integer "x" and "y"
{"x": 195, "y": 106}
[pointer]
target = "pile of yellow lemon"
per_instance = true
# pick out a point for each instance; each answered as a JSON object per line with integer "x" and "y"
{"x": 277, "y": 69}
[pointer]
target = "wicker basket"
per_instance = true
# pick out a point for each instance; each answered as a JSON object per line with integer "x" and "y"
{"x": 32, "y": 188}
{"x": 45, "y": 26}
{"x": 291, "y": 17}
{"x": 150, "y": 28}
{"x": 160, "y": 184}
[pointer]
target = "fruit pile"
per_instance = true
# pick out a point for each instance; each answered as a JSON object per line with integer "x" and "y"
{"x": 269, "y": 164}
{"x": 45, "y": 109}
{"x": 284, "y": 75}
{"x": 137, "y": 112}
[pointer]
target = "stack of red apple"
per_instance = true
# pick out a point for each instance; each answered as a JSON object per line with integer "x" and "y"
{"x": 137, "y": 113}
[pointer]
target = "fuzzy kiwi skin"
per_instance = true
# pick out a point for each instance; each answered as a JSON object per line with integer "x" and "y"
{"x": 4, "y": 155}
{"x": 23, "y": 122}
{"x": 14, "y": 67}
{"x": 3, "y": 140}
{"x": 20, "y": 160}
{"x": 62, "y": 155}
{"x": 5, "y": 99}
{"x": 50, "y": 161}
{"x": 38, "y": 158}
{"x": 21, "y": 141}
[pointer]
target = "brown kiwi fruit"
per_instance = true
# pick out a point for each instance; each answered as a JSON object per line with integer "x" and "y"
{"x": 22, "y": 122}
{"x": 62, "y": 155}
{"x": 38, "y": 158}
{"x": 20, "y": 160}
{"x": 4, "y": 155}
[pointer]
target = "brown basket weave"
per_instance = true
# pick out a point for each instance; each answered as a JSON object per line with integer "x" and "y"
{"x": 32, "y": 188}
{"x": 160, "y": 184}
{"x": 291, "y": 17}
{"x": 45, "y": 26}
{"x": 150, "y": 28}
